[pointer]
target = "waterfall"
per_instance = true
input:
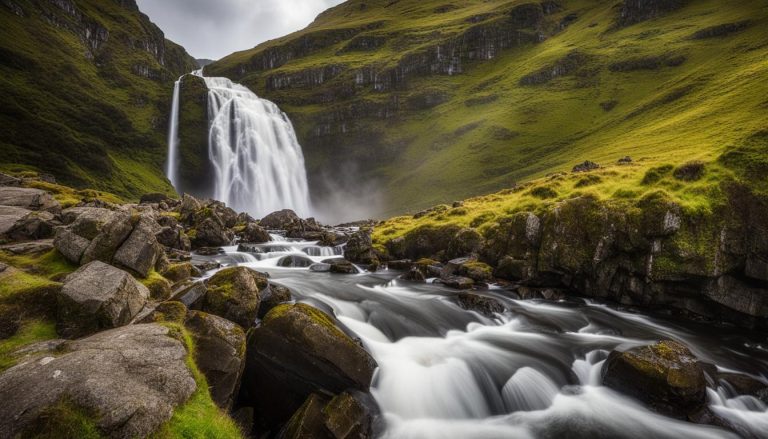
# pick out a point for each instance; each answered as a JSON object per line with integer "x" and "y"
{"x": 171, "y": 167}
{"x": 257, "y": 160}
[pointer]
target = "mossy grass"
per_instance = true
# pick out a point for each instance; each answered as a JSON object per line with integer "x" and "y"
{"x": 64, "y": 420}
{"x": 31, "y": 331}
{"x": 159, "y": 287}
{"x": 51, "y": 265}
{"x": 199, "y": 417}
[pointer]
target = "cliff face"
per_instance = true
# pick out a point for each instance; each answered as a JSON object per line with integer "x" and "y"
{"x": 86, "y": 89}
{"x": 434, "y": 101}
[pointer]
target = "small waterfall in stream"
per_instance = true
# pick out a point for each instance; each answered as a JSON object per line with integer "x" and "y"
{"x": 171, "y": 167}
{"x": 257, "y": 160}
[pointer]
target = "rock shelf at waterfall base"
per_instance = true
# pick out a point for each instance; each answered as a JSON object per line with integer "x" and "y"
{"x": 277, "y": 326}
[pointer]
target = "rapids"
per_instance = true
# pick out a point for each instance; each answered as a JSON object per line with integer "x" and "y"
{"x": 531, "y": 372}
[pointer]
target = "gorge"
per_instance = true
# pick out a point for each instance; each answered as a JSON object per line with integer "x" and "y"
{"x": 551, "y": 222}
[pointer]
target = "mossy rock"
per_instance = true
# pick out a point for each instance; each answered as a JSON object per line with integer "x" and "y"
{"x": 159, "y": 287}
{"x": 235, "y": 294}
{"x": 299, "y": 350}
{"x": 348, "y": 415}
{"x": 168, "y": 312}
{"x": 179, "y": 272}
{"x": 666, "y": 376}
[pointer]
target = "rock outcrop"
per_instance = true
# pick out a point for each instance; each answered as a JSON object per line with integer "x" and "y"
{"x": 235, "y": 294}
{"x": 98, "y": 296}
{"x": 350, "y": 415}
{"x": 131, "y": 379}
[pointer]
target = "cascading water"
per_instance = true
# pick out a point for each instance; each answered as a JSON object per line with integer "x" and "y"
{"x": 257, "y": 160}
{"x": 171, "y": 167}
{"x": 533, "y": 371}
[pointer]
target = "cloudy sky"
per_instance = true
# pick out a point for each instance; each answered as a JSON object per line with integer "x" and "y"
{"x": 215, "y": 28}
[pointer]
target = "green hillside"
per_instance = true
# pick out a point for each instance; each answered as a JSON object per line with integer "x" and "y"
{"x": 86, "y": 89}
{"x": 438, "y": 100}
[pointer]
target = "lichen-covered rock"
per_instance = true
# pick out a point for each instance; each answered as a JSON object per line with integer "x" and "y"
{"x": 235, "y": 293}
{"x": 466, "y": 242}
{"x": 167, "y": 312}
{"x": 141, "y": 250}
{"x": 299, "y": 350}
{"x": 98, "y": 296}
{"x": 423, "y": 242}
{"x": 666, "y": 376}
{"x": 131, "y": 379}
{"x": 219, "y": 353}
{"x": 28, "y": 198}
{"x": 350, "y": 415}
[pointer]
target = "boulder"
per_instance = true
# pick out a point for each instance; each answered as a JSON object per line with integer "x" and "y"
{"x": 350, "y": 415}
{"x": 466, "y": 242}
{"x": 98, "y": 296}
{"x": 342, "y": 266}
{"x": 219, "y": 353}
{"x": 359, "y": 248}
{"x": 272, "y": 296}
{"x": 254, "y": 234}
{"x": 131, "y": 379}
{"x": 414, "y": 275}
{"x": 34, "y": 225}
{"x": 189, "y": 293}
{"x": 189, "y": 205}
{"x": 141, "y": 250}
{"x": 296, "y": 351}
{"x": 400, "y": 264}
{"x": 180, "y": 272}
{"x": 285, "y": 219}
{"x": 8, "y": 180}
{"x": 29, "y": 248}
{"x": 457, "y": 282}
{"x": 9, "y": 216}
{"x": 28, "y": 198}
{"x": 235, "y": 293}
{"x": 211, "y": 232}
{"x": 174, "y": 237}
{"x": 320, "y": 267}
{"x": 666, "y": 376}
{"x": 94, "y": 234}
{"x": 586, "y": 167}
{"x": 482, "y": 304}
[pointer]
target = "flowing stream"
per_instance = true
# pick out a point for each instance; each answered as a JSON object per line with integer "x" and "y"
{"x": 530, "y": 372}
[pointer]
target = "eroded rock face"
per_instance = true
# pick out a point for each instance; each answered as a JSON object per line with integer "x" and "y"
{"x": 666, "y": 376}
{"x": 94, "y": 233}
{"x": 219, "y": 353}
{"x": 132, "y": 377}
{"x": 635, "y": 11}
{"x": 299, "y": 350}
{"x": 98, "y": 296}
{"x": 235, "y": 293}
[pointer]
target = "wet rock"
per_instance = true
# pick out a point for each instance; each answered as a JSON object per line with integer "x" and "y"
{"x": 359, "y": 248}
{"x": 133, "y": 377}
{"x": 285, "y": 219}
{"x": 457, "y": 282}
{"x": 477, "y": 271}
{"x": 585, "y": 167}
{"x": 28, "y": 198}
{"x": 219, "y": 353}
{"x": 738, "y": 295}
{"x": 414, "y": 275}
{"x": 295, "y": 261}
{"x": 9, "y": 216}
{"x": 401, "y": 264}
{"x": 320, "y": 267}
{"x": 273, "y": 296}
{"x": 350, "y": 415}
{"x": 665, "y": 376}
{"x": 482, "y": 304}
{"x": 209, "y": 251}
{"x": 141, "y": 250}
{"x": 254, "y": 234}
{"x": 343, "y": 267}
{"x": 234, "y": 293}
{"x": 98, "y": 296}
{"x": 296, "y": 351}
{"x": 211, "y": 232}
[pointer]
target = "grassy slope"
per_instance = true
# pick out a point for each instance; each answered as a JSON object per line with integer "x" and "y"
{"x": 91, "y": 122}
{"x": 667, "y": 115}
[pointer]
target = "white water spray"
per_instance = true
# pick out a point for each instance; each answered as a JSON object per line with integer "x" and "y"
{"x": 257, "y": 160}
{"x": 171, "y": 168}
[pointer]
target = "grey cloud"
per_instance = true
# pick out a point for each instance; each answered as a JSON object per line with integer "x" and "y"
{"x": 216, "y": 28}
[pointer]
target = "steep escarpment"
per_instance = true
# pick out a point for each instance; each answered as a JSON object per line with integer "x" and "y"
{"x": 86, "y": 89}
{"x": 434, "y": 101}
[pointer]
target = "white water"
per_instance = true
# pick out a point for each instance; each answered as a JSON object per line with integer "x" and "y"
{"x": 531, "y": 372}
{"x": 257, "y": 160}
{"x": 171, "y": 168}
